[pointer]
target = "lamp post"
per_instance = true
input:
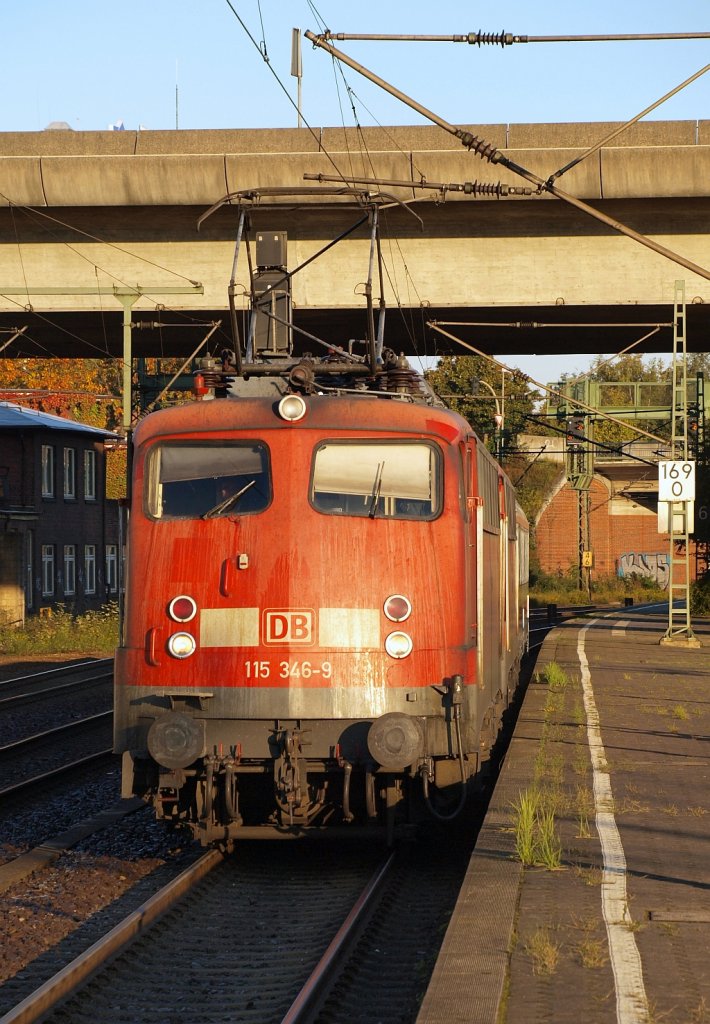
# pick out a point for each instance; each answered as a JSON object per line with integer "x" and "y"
{"x": 498, "y": 417}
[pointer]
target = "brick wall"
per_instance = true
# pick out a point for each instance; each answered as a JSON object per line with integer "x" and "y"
{"x": 622, "y": 532}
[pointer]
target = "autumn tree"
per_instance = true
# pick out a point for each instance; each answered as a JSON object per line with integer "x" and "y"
{"x": 87, "y": 391}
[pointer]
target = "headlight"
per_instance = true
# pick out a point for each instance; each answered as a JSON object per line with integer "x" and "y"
{"x": 181, "y": 645}
{"x": 398, "y": 645}
{"x": 292, "y": 408}
{"x": 397, "y": 608}
{"x": 182, "y": 608}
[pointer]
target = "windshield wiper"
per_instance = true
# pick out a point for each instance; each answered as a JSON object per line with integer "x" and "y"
{"x": 227, "y": 503}
{"x": 376, "y": 488}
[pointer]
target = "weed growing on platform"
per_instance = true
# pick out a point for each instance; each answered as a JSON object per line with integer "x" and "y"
{"x": 700, "y": 596}
{"x": 536, "y": 840}
{"x": 64, "y": 633}
{"x": 701, "y": 1013}
{"x": 680, "y": 713}
{"x": 544, "y": 952}
{"x": 525, "y": 810}
{"x": 585, "y": 808}
{"x": 670, "y": 928}
{"x": 549, "y": 846}
{"x": 580, "y": 761}
{"x": 592, "y": 953}
{"x": 555, "y": 677}
{"x": 630, "y": 805}
{"x": 590, "y": 876}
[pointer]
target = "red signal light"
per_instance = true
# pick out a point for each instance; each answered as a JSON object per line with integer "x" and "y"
{"x": 182, "y": 608}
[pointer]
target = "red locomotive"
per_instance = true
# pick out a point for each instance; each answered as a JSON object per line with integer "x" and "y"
{"x": 326, "y": 600}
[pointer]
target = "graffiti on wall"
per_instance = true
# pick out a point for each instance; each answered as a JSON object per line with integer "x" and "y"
{"x": 654, "y": 567}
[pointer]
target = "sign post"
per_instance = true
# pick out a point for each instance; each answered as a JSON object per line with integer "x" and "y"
{"x": 676, "y": 501}
{"x": 676, "y": 481}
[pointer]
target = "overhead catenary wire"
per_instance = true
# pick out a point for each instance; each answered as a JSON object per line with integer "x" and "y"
{"x": 614, "y": 449}
{"x": 473, "y": 188}
{"x": 488, "y": 151}
{"x": 294, "y": 104}
{"x": 622, "y": 128}
{"x": 366, "y": 155}
{"x": 481, "y": 38}
{"x": 33, "y": 210}
{"x": 317, "y": 136}
{"x": 545, "y": 387}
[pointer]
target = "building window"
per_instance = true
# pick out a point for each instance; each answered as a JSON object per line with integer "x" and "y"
{"x": 47, "y": 471}
{"x": 47, "y": 570}
{"x": 29, "y": 569}
{"x": 70, "y": 569}
{"x": 90, "y": 475}
{"x": 112, "y": 568}
{"x": 89, "y": 568}
{"x": 69, "y": 473}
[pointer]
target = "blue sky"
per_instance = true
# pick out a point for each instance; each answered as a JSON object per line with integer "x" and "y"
{"x": 92, "y": 65}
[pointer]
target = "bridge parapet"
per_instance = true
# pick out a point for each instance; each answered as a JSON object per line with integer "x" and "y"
{"x": 66, "y": 168}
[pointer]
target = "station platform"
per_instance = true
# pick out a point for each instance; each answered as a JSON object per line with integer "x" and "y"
{"x": 605, "y": 789}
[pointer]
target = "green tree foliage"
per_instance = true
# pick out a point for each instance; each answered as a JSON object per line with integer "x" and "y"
{"x": 478, "y": 390}
{"x": 534, "y": 480}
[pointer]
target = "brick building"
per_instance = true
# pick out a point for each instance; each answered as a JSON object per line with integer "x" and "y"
{"x": 58, "y": 533}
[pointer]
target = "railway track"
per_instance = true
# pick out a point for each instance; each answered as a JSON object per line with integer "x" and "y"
{"x": 53, "y": 722}
{"x": 272, "y": 933}
{"x": 54, "y": 681}
{"x": 36, "y": 702}
{"x": 35, "y": 760}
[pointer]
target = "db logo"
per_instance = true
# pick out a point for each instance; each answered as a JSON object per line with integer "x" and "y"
{"x": 288, "y": 626}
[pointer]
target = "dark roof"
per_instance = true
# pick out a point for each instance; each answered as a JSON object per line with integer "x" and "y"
{"x": 19, "y": 417}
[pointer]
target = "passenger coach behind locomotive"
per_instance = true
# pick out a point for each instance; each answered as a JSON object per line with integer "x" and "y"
{"x": 326, "y": 607}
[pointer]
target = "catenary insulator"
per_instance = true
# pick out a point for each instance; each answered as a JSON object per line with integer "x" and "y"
{"x": 486, "y": 150}
{"x": 495, "y": 38}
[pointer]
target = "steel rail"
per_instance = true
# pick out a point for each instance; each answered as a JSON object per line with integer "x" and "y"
{"x": 66, "y": 981}
{"x": 16, "y": 747}
{"x": 316, "y": 983}
{"x": 54, "y": 773}
{"x": 60, "y": 670}
{"x": 49, "y": 691}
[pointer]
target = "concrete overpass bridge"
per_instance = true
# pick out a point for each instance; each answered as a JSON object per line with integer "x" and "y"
{"x": 85, "y": 215}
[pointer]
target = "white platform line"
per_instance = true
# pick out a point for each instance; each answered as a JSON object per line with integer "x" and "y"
{"x": 631, "y": 1001}
{"x": 620, "y": 628}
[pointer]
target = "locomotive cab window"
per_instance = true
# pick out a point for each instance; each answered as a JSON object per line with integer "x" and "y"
{"x": 393, "y": 480}
{"x": 204, "y": 481}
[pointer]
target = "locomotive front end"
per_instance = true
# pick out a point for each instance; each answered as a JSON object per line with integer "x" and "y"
{"x": 299, "y": 645}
